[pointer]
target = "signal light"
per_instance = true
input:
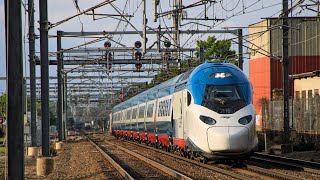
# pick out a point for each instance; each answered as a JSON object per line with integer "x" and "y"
{"x": 107, "y": 44}
{"x": 167, "y": 43}
{"x": 137, "y": 44}
{"x": 138, "y": 55}
{"x": 138, "y": 66}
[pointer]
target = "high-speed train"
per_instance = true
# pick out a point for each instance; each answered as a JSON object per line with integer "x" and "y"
{"x": 207, "y": 111}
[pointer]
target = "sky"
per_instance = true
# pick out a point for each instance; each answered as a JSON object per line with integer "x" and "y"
{"x": 238, "y": 13}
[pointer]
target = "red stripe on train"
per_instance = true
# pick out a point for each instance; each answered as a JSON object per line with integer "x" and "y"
{"x": 142, "y": 135}
{"x": 152, "y": 137}
{"x": 164, "y": 139}
{"x": 179, "y": 142}
{"x": 135, "y": 134}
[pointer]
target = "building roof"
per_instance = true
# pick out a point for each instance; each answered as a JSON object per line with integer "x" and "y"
{"x": 305, "y": 75}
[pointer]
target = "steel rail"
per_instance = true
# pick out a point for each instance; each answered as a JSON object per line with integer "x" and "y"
{"x": 161, "y": 167}
{"x": 272, "y": 173}
{"x": 216, "y": 169}
{"x": 308, "y": 166}
{"x": 113, "y": 163}
{"x": 223, "y": 171}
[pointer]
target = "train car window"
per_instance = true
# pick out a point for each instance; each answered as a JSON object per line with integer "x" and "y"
{"x": 164, "y": 108}
{"x": 141, "y": 111}
{"x": 188, "y": 99}
{"x": 129, "y": 114}
{"x": 150, "y": 110}
{"x": 223, "y": 99}
{"x": 134, "y": 113}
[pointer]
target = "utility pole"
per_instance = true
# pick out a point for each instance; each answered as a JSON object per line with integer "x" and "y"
{"x": 60, "y": 90}
{"x": 32, "y": 63}
{"x": 144, "y": 33}
{"x": 285, "y": 66}
{"x": 14, "y": 89}
{"x": 43, "y": 5}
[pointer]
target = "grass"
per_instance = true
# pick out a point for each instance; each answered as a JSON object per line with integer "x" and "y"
{"x": 2, "y": 151}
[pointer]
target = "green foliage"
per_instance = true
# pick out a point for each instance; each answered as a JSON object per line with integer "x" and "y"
{"x": 70, "y": 123}
{"x": 39, "y": 108}
{"x": 217, "y": 49}
{"x": 3, "y": 104}
{"x": 53, "y": 119}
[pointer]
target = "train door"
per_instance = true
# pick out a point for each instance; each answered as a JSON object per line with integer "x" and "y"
{"x": 178, "y": 114}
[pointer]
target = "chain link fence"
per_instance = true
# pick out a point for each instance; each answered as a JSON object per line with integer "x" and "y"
{"x": 304, "y": 122}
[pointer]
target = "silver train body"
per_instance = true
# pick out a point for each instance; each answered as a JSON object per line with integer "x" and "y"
{"x": 207, "y": 111}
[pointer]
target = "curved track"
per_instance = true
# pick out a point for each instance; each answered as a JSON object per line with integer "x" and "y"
{"x": 132, "y": 165}
{"x": 249, "y": 171}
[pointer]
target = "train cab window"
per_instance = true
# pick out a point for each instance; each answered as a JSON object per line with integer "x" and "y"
{"x": 188, "y": 99}
{"x": 223, "y": 99}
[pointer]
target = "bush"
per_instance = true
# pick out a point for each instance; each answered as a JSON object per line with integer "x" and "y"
{"x": 1, "y": 131}
{"x": 303, "y": 144}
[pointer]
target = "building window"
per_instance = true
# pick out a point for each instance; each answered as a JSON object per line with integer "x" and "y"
{"x": 309, "y": 93}
{"x": 304, "y": 95}
{"x": 297, "y": 94}
{"x": 316, "y": 92}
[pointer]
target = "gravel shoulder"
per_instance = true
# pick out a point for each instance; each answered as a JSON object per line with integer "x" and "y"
{"x": 78, "y": 160}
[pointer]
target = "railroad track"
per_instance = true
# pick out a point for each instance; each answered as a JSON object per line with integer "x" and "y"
{"x": 307, "y": 166}
{"x": 248, "y": 172}
{"x": 132, "y": 165}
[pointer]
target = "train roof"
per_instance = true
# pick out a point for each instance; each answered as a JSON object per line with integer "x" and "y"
{"x": 164, "y": 89}
{"x": 175, "y": 84}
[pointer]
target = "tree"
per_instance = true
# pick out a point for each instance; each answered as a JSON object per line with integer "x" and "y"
{"x": 217, "y": 49}
{"x": 3, "y": 104}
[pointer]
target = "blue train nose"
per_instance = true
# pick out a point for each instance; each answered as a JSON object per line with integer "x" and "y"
{"x": 228, "y": 139}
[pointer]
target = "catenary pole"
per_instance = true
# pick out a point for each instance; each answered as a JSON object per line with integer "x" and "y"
{"x": 32, "y": 64}
{"x": 144, "y": 34}
{"x": 43, "y": 5}
{"x": 65, "y": 106}
{"x": 60, "y": 90}
{"x": 240, "y": 49}
{"x": 285, "y": 66}
{"x": 14, "y": 89}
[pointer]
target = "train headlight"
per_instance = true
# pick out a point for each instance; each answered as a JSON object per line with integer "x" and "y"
{"x": 207, "y": 120}
{"x": 245, "y": 120}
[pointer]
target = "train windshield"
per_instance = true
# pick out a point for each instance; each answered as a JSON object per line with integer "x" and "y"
{"x": 223, "y": 99}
